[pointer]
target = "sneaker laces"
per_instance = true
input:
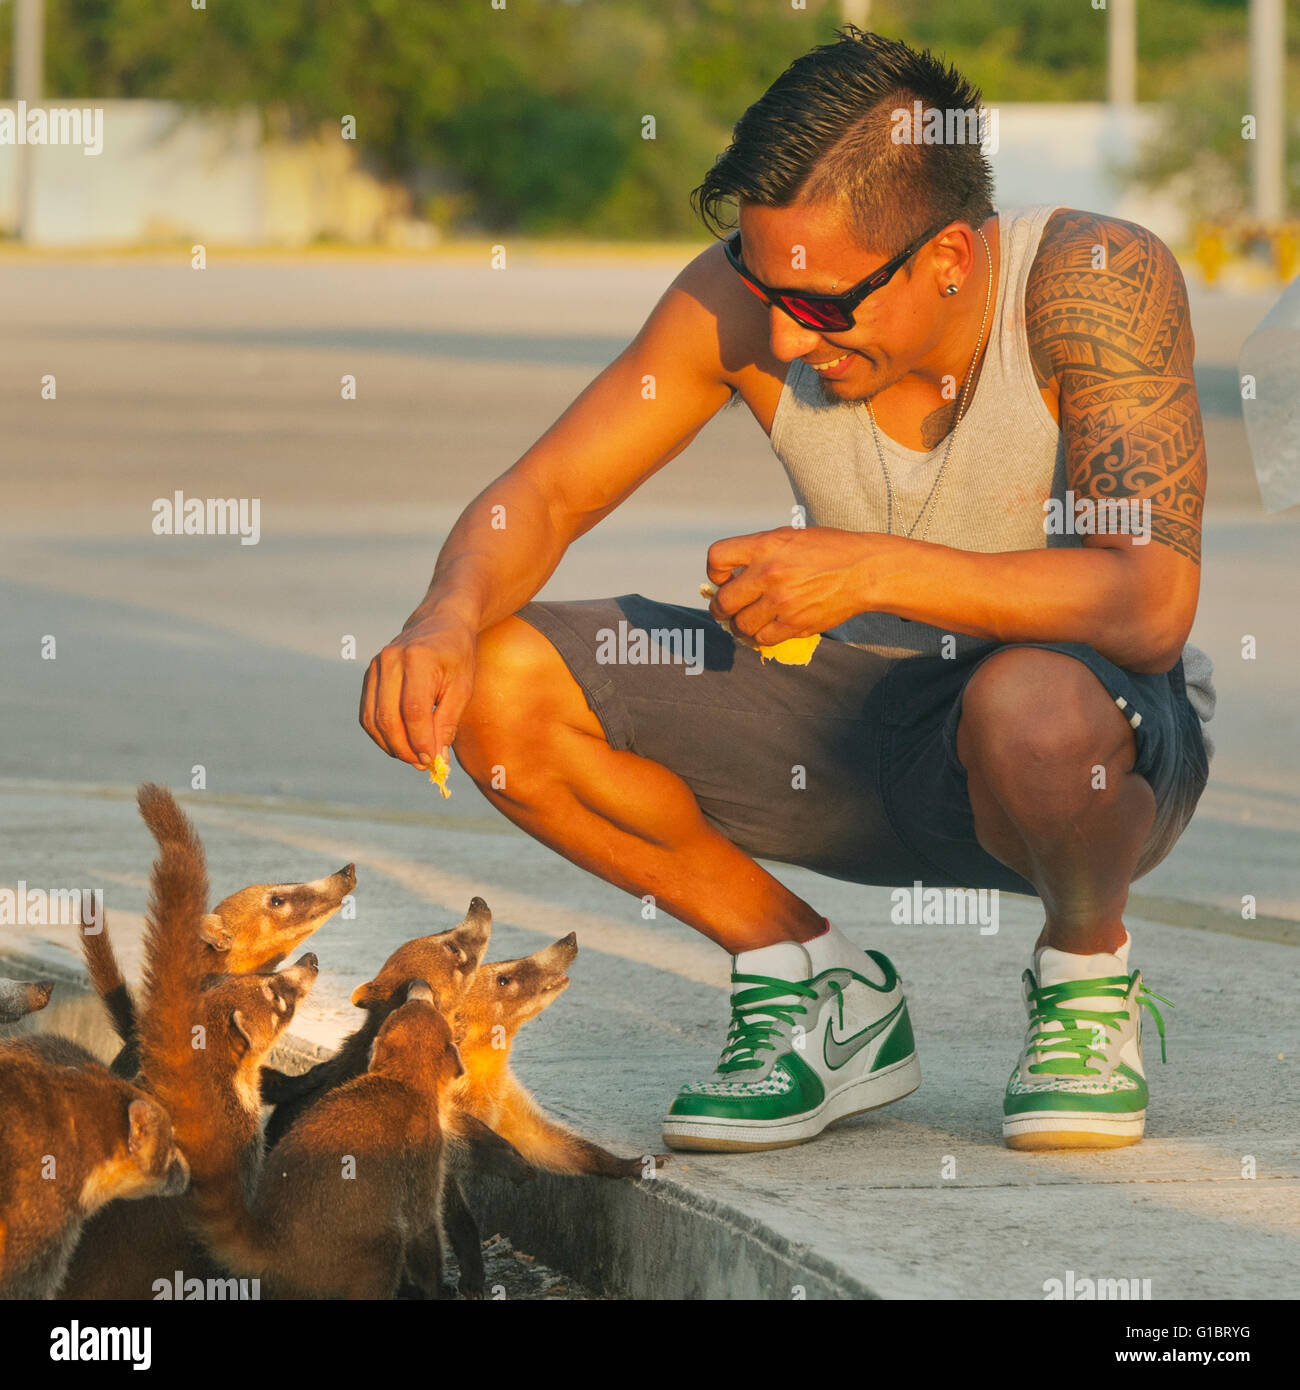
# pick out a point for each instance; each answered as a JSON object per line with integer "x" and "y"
{"x": 756, "y": 1015}
{"x": 1056, "y": 1027}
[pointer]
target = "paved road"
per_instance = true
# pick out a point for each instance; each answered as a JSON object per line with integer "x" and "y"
{"x": 177, "y": 652}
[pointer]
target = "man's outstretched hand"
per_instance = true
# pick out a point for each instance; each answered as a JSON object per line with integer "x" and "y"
{"x": 417, "y": 688}
{"x": 794, "y": 581}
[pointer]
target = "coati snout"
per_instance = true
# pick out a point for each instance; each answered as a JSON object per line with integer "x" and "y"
{"x": 446, "y": 961}
{"x": 510, "y": 992}
{"x": 257, "y": 927}
{"x": 18, "y": 998}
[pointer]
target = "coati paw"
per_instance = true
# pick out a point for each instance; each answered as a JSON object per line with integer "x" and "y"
{"x": 472, "y": 1289}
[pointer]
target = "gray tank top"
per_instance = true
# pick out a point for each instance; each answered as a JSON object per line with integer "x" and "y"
{"x": 829, "y": 454}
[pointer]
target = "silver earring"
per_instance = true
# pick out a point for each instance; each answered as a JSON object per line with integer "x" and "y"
{"x": 950, "y": 289}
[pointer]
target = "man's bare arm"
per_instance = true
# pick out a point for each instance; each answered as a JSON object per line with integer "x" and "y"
{"x": 639, "y": 413}
{"x": 1109, "y": 328}
{"x": 1117, "y": 339}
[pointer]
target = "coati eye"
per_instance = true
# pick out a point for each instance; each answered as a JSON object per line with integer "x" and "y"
{"x": 503, "y": 980}
{"x": 276, "y": 900}
{"x": 455, "y": 950}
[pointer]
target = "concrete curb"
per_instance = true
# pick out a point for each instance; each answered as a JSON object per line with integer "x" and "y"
{"x": 654, "y": 1240}
{"x": 625, "y": 1239}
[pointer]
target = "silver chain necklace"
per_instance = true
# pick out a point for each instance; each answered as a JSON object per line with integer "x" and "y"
{"x": 961, "y": 408}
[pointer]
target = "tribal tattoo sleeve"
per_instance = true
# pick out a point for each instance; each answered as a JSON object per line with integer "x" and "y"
{"x": 1107, "y": 320}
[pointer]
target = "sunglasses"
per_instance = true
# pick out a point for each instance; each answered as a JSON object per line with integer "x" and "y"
{"x": 828, "y": 313}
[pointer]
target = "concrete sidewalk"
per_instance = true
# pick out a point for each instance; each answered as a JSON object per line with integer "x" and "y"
{"x": 866, "y": 1210}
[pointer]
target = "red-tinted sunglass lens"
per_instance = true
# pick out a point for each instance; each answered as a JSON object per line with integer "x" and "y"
{"x": 819, "y": 313}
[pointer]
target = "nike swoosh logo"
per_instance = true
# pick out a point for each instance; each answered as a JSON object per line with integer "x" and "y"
{"x": 838, "y": 1051}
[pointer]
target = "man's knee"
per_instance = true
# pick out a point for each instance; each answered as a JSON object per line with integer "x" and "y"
{"x": 522, "y": 692}
{"x": 1033, "y": 715}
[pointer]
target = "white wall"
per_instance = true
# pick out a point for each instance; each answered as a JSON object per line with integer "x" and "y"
{"x": 1066, "y": 152}
{"x": 167, "y": 172}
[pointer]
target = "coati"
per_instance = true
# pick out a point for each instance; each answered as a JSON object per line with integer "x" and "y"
{"x": 446, "y": 962}
{"x": 502, "y": 996}
{"x": 257, "y": 927}
{"x": 351, "y": 1187}
{"x": 18, "y": 998}
{"x": 202, "y": 1040}
{"x": 72, "y": 1137}
{"x": 253, "y": 929}
{"x": 214, "y": 1092}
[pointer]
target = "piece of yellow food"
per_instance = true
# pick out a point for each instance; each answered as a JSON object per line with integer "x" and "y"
{"x": 438, "y": 773}
{"x": 795, "y": 651}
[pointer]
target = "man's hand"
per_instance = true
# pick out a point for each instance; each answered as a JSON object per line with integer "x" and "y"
{"x": 417, "y": 688}
{"x": 794, "y": 582}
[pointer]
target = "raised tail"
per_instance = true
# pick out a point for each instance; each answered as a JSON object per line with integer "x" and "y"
{"x": 106, "y": 976}
{"x": 115, "y": 995}
{"x": 174, "y": 954}
{"x": 166, "y": 821}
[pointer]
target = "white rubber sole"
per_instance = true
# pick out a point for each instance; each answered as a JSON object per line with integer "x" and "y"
{"x": 1072, "y": 1129}
{"x": 709, "y": 1133}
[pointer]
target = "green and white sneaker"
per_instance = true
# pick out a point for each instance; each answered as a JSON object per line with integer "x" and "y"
{"x": 819, "y": 1031}
{"x": 1079, "y": 1083}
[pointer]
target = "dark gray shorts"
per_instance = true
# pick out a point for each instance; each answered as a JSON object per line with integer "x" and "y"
{"x": 882, "y": 796}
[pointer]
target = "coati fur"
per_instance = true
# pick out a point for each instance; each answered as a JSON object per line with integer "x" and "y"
{"x": 72, "y": 1138}
{"x": 202, "y": 1039}
{"x": 214, "y": 1089}
{"x": 349, "y": 1190}
{"x": 18, "y": 998}
{"x": 503, "y": 997}
{"x": 447, "y": 962}
{"x": 500, "y": 999}
{"x": 251, "y": 930}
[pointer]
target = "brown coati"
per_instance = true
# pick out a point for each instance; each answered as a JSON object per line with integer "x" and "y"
{"x": 348, "y": 1192}
{"x": 72, "y": 1137}
{"x": 212, "y": 1082}
{"x": 504, "y": 996}
{"x": 446, "y": 962}
{"x": 18, "y": 998}
{"x": 251, "y": 930}
{"x": 501, "y": 997}
{"x": 203, "y": 1039}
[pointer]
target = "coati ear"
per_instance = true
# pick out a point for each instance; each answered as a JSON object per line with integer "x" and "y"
{"x": 213, "y": 931}
{"x": 454, "y": 1053}
{"x": 419, "y": 989}
{"x": 366, "y": 996}
{"x": 144, "y": 1127}
{"x": 237, "y": 1023}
